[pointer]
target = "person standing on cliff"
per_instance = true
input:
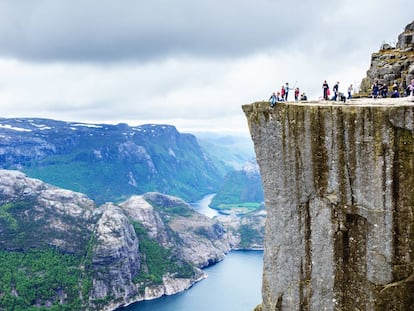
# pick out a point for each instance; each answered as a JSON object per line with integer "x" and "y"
{"x": 325, "y": 88}
{"x": 350, "y": 89}
{"x": 336, "y": 91}
{"x": 297, "y": 94}
{"x": 283, "y": 92}
{"x": 286, "y": 91}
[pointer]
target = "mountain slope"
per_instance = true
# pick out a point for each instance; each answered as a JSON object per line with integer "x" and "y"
{"x": 61, "y": 250}
{"x": 241, "y": 190}
{"x": 119, "y": 159}
{"x": 229, "y": 152}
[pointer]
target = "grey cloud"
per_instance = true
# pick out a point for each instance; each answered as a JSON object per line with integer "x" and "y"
{"x": 105, "y": 30}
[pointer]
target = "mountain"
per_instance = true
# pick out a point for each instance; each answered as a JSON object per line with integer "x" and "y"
{"x": 108, "y": 162}
{"x": 241, "y": 190}
{"x": 62, "y": 251}
{"x": 229, "y": 152}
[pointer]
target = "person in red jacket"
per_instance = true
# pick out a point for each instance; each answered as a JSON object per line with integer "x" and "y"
{"x": 297, "y": 92}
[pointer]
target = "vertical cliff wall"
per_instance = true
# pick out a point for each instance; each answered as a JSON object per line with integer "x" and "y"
{"x": 339, "y": 194}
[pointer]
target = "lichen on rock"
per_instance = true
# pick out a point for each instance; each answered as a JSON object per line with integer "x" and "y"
{"x": 339, "y": 193}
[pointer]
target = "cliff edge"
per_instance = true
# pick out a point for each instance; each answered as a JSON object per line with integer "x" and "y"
{"x": 339, "y": 193}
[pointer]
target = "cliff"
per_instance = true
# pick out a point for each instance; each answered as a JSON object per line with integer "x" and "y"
{"x": 392, "y": 64}
{"x": 339, "y": 193}
{"x": 59, "y": 249}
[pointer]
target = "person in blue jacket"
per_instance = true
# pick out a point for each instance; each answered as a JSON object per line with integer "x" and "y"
{"x": 375, "y": 89}
{"x": 336, "y": 91}
{"x": 273, "y": 99}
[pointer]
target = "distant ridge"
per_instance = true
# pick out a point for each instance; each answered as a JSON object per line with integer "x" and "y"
{"x": 108, "y": 162}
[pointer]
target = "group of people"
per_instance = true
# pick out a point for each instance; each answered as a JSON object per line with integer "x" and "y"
{"x": 336, "y": 94}
{"x": 377, "y": 90}
{"x": 283, "y": 95}
{"x": 381, "y": 90}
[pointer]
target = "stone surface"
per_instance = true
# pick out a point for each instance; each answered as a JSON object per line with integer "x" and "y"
{"x": 339, "y": 194}
{"x": 392, "y": 64}
{"x": 195, "y": 237}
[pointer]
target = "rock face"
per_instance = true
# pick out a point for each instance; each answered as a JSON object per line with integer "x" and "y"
{"x": 45, "y": 216}
{"x": 392, "y": 64}
{"x": 193, "y": 236}
{"x": 339, "y": 194}
{"x": 248, "y": 229}
{"x": 406, "y": 39}
{"x": 119, "y": 245}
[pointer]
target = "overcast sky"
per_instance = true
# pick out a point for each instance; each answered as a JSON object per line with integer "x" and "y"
{"x": 187, "y": 63}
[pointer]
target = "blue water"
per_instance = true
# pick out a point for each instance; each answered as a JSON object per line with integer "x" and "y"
{"x": 203, "y": 207}
{"x": 232, "y": 285}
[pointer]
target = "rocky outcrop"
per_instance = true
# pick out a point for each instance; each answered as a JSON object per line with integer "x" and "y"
{"x": 392, "y": 64}
{"x": 406, "y": 39}
{"x": 117, "y": 246}
{"x": 339, "y": 194}
{"x": 170, "y": 220}
{"x": 45, "y": 216}
{"x": 115, "y": 257}
{"x": 248, "y": 229}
